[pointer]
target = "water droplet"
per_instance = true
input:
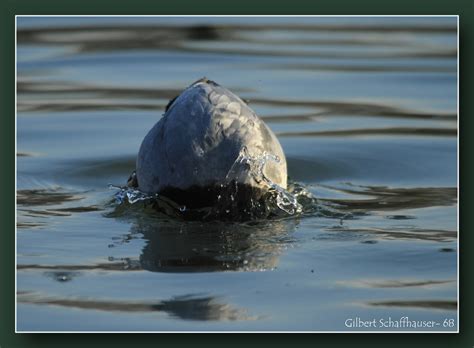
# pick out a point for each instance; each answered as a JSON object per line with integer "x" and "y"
{"x": 130, "y": 195}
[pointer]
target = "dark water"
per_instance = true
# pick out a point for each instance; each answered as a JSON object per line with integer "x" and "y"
{"x": 366, "y": 111}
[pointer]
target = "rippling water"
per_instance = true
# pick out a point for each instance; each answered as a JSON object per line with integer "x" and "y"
{"x": 366, "y": 111}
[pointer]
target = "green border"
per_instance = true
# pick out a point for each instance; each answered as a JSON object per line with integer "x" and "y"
{"x": 10, "y": 8}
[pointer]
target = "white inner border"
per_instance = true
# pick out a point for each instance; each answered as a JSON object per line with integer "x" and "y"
{"x": 236, "y": 16}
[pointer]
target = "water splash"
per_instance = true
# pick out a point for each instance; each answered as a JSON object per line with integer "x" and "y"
{"x": 130, "y": 195}
{"x": 276, "y": 201}
{"x": 247, "y": 165}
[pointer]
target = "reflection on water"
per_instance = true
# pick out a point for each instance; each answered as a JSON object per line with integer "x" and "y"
{"x": 380, "y": 131}
{"x": 365, "y": 109}
{"x": 124, "y": 265}
{"x": 388, "y": 198}
{"x": 399, "y": 283}
{"x": 62, "y": 276}
{"x": 177, "y": 246}
{"x": 230, "y": 38}
{"x": 37, "y": 204}
{"x": 433, "y": 304}
{"x": 188, "y": 307}
{"x": 403, "y": 233}
{"x": 112, "y": 98}
{"x": 194, "y": 247}
{"x": 44, "y": 197}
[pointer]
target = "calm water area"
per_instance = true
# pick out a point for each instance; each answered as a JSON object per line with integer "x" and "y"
{"x": 366, "y": 112}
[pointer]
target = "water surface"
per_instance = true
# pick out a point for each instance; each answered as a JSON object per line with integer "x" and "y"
{"x": 366, "y": 111}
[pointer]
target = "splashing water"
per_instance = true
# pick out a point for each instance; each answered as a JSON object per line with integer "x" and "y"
{"x": 277, "y": 201}
{"x": 130, "y": 195}
{"x": 245, "y": 165}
